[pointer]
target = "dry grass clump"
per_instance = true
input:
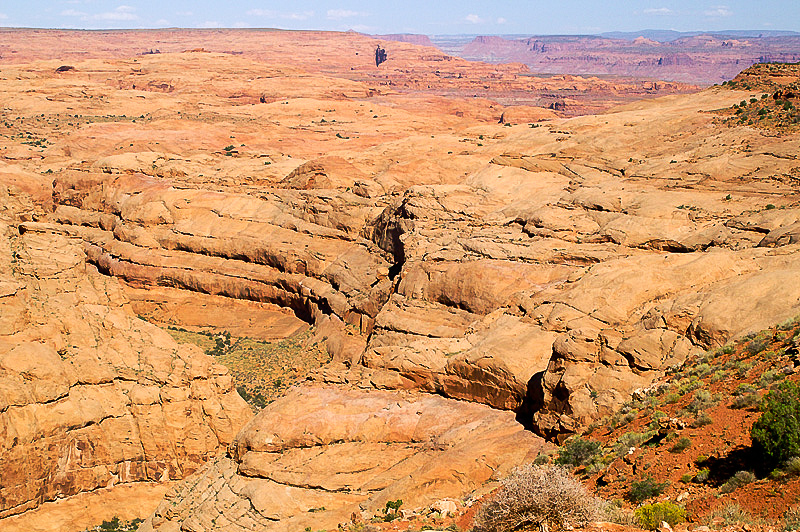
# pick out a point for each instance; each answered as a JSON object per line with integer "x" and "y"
{"x": 538, "y": 496}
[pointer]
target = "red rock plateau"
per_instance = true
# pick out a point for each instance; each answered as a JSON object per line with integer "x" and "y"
{"x": 699, "y": 59}
{"x": 467, "y": 276}
{"x": 411, "y": 69}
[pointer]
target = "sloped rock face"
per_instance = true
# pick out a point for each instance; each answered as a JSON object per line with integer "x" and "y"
{"x": 91, "y": 396}
{"x": 549, "y": 270}
{"x": 318, "y": 455}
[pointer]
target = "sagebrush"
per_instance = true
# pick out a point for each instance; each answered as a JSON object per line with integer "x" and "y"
{"x": 536, "y": 495}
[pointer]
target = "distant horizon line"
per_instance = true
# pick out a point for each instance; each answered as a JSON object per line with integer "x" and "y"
{"x": 754, "y": 32}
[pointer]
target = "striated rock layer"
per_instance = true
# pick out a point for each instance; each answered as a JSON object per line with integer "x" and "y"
{"x": 91, "y": 396}
{"x": 320, "y": 455}
{"x": 547, "y": 268}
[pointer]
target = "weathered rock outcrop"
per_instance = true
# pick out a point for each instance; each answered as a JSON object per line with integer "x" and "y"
{"x": 318, "y": 455}
{"x": 702, "y": 59}
{"x": 90, "y": 395}
{"x": 551, "y": 271}
{"x": 547, "y": 268}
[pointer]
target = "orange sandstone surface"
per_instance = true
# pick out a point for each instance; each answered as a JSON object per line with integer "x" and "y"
{"x": 470, "y": 278}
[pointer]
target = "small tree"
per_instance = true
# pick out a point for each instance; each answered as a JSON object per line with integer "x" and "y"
{"x": 776, "y": 434}
{"x": 538, "y": 495}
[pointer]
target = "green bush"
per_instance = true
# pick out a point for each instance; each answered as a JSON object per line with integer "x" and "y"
{"x": 681, "y": 445}
{"x": 536, "y": 495}
{"x": 650, "y": 516}
{"x": 646, "y": 488}
{"x": 776, "y": 434}
{"x": 576, "y": 452}
{"x": 741, "y": 478}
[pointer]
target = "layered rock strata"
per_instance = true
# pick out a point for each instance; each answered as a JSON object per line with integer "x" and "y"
{"x": 90, "y": 395}
{"x": 319, "y": 456}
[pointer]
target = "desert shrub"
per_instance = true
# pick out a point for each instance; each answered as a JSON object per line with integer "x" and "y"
{"x": 643, "y": 489}
{"x": 116, "y": 525}
{"x": 702, "y": 475}
{"x": 632, "y": 439}
{"x": 671, "y": 398}
{"x": 702, "y": 400}
{"x": 681, "y": 445}
{"x": 768, "y": 377}
{"x": 391, "y": 511}
{"x": 791, "y": 519}
{"x": 576, "y": 452}
{"x": 792, "y": 466}
{"x": 731, "y": 514}
{"x": 702, "y": 420}
{"x": 741, "y": 478}
{"x": 536, "y": 495}
{"x": 541, "y": 459}
{"x": 756, "y": 346}
{"x": 615, "y": 512}
{"x": 749, "y": 400}
{"x": 650, "y": 516}
{"x": 776, "y": 434}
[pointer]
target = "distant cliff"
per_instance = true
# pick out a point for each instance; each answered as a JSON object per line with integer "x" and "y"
{"x": 702, "y": 59}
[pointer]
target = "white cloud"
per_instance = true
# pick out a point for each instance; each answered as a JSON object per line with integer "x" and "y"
{"x": 118, "y": 14}
{"x": 304, "y": 15}
{"x": 241, "y": 25}
{"x": 210, "y": 24}
{"x": 299, "y": 16}
{"x": 162, "y": 22}
{"x": 339, "y": 14}
{"x": 473, "y": 19}
{"x": 3, "y": 16}
{"x": 658, "y": 11}
{"x": 501, "y": 20}
{"x": 718, "y": 11}
{"x": 261, "y": 13}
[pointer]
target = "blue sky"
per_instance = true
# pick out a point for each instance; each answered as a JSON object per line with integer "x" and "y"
{"x": 413, "y": 16}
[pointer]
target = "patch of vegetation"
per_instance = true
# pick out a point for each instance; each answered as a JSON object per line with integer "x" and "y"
{"x": 650, "y": 516}
{"x": 116, "y": 525}
{"x": 776, "y": 434}
{"x": 791, "y": 519}
{"x": 261, "y": 370}
{"x": 646, "y": 488}
{"x": 533, "y": 496}
{"x": 741, "y": 478}
{"x": 577, "y": 452}
{"x": 681, "y": 445}
{"x": 731, "y": 514}
{"x": 391, "y": 511}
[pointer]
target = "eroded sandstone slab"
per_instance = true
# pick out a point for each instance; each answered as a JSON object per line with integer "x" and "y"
{"x": 319, "y": 454}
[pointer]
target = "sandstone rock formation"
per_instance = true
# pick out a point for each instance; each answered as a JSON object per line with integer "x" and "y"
{"x": 91, "y": 396}
{"x": 319, "y": 455}
{"x": 701, "y": 59}
{"x": 549, "y": 268}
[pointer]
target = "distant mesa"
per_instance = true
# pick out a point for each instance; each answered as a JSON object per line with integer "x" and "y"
{"x": 412, "y": 38}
